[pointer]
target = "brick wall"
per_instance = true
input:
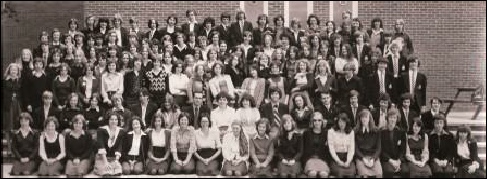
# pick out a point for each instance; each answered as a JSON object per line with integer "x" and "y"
{"x": 322, "y": 10}
{"x": 276, "y": 8}
{"x": 449, "y": 38}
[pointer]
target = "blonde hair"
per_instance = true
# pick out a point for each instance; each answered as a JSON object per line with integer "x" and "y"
{"x": 9, "y": 67}
{"x": 31, "y": 58}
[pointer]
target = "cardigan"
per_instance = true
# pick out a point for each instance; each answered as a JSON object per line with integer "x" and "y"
{"x": 79, "y": 148}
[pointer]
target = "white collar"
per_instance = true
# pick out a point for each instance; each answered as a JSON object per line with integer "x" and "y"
{"x": 92, "y": 77}
{"x": 257, "y": 136}
{"x": 141, "y": 133}
{"x": 96, "y": 108}
{"x": 365, "y": 129}
{"x": 28, "y": 130}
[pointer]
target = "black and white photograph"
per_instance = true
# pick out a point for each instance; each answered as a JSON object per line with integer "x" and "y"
{"x": 246, "y": 89}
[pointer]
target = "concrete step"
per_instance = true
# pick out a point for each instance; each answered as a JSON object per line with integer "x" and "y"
{"x": 479, "y": 136}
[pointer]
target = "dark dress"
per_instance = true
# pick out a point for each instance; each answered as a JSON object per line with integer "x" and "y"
{"x": 10, "y": 104}
{"x": 61, "y": 90}
{"x": 416, "y": 148}
{"x": 32, "y": 88}
{"x": 24, "y": 147}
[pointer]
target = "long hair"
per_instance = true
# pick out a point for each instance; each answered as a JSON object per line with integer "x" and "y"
{"x": 348, "y": 123}
{"x": 242, "y": 141}
{"x": 371, "y": 124}
{"x": 8, "y": 69}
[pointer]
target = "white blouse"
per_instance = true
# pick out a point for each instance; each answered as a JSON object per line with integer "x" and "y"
{"x": 178, "y": 84}
{"x": 159, "y": 138}
{"x": 135, "y": 148}
{"x": 222, "y": 117}
{"x": 248, "y": 117}
{"x": 212, "y": 140}
{"x": 462, "y": 150}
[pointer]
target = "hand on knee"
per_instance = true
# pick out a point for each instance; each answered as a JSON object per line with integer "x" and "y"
{"x": 312, "y": 174}
{"x": 238, "y": 173}
{"x": 153, "y": 172}
{"x": 323, "y": 174}
{"x": 229, "y": 173}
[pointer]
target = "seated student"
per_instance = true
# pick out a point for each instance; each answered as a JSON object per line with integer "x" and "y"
{"x": 183, "y": 146}
{"x": 367, "y": 146}
{"x": 315, "y": 153}
{"x": 158, "y": 159}
{"x": 79, "y": 145}
{"x": 274, "y": 110}
{"x": 427, "y": 117}
{"x": 441, "y": 146}
{"x": 327, "y": 109}
{"x": 417, "y": 151}
{"x": 380, "y": 115}
{"x": 407, "y": 113}
{"x": 290, "y": 149}
{"x": 41, "y": 113}
{"x": 341, "y": 142}
{"x": 301, "y": 111}
{"x": 134, "y": 148}
{"x": 393, "y": 141}
{"x": 51, "y": 149}
{"x": 109, "y": 144}
{"x": 353, "y": 108}
{"x": 73, "y": 108}
{"x": 261, "y": 149}
{"x": 118, "y": 108}
{"x": 248, "y": 114}
{"x": 466, "y": 156}
{"x": 24, "y": 147}
{"x": 235, "y": 151}
{"x": 208, "y": 148}
{"x": 222, "y": 116}
{"x": 94, "y": 115}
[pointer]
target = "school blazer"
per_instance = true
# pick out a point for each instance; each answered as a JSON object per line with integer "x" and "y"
{"x": 292, "y": 40}
{"x": 224, "y": 33}
{"x": 236, "y": 35}
{"x": 185, "y": 28}
{"x": 419, "y": 90}
{"x": 38, "y": 116}
{"x": 149, "y": 113}
{"x": 373, "y": 88}
{"x": 81, "y": 86}
{"x": 127, "y": 144}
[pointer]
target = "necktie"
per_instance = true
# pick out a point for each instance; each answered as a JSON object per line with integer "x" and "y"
{"x": 395, "y": 65}
{"x": 413, "y": 85}
{"x": 406, "y": 114}
{"x": 386, "y": 49}
{"x": 354, "y": 110}
{"x": 196, "y": 112}
{"x": 242, "y": 27}
{"x": 381, "y": 81}
{"x": 275, "y": 111}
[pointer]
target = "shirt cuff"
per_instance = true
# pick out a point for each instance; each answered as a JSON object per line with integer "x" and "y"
{"x": 118, "y": 154}
{"x": 102, "y": 151}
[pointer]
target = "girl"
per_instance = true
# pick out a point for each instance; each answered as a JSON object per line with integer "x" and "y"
{"x": 24, "y": 147}
{"x": 261, "y": 29}
{"x": 51, "y": 149}
{"x": 79, "y": 145}
{"x": 236, "y": 71}
{"x": 315, "y": 150}
{"x": 54, "y": 67}
{"x": 209, "y": 147}
{"x": 248, "y": 114}
{"x": 87, "y": 85}
{"x": 125, "y": 63}
{"x": 301, "y": 111}
{"x": 134, "y": 148}
{"x": 262, "y": 149}
{"x": 466, "y": 156}
{"x": 290, "y": 149}
{"x": 33, "y": 85}
{"x": 324, "y": 82}
{"x": 290, "y": 63}
{"x": 178, "y": 83}
{"x": 109, "y": 144}
{"x": 94, "y": 114}
{"x": 368, "y": 146}
{"x": 441, "y": 150}
{"x": 26, "y": 61}
{"x": 263, "y": 66}
{"x": 170, "y": 111}
{"x": 199, "y": 84}
{"x": 73, "y": 108}
{"x": 69, "y": 54}
{"x": 235, "y": 151}
{"x": 62, "y": 86}
{"x": 302, "y": 82}
{"x": 268, "y": 50}
{"x": 275, "y": 80}
{"x": 220, "y": 81}
{"x": 158, "y": 159}
{"x": 183, "y": 142}
{"x": 341, "y": 141}
{"x": 417, "y": 152}
{"x": 330, "y": 29}
{"x": 111, "y": 83}
{"x": 254, "y": 85}
{"x": 345, "y": 57}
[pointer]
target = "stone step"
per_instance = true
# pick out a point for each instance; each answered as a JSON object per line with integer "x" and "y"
{"x": 478, "y": 135}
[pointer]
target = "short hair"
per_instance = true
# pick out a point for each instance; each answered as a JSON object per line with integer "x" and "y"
{"x": 353, "y": 93}
{"x": 47, "y": 94}
{"x": 295, "y": 21}
{"x": 248, "y": 97}
{"x": 175, "y": 66}
{"x": 38, "y": 60}
{"x": 78, "y": 118}
{"x": 113, "y": 113}
{"x": 405, "y": 96}
{"x": 183, "y": 115}
{"x": 26, "y": 115}
{"x": 393, "y": 112}
{"x": 277, "y": 18}
{"x": 189, "y": 11}
{"x": 238, "y": 14}
{"x": 200, "y": 118}
{"x": 436, "y": 98}
{"x": 275, "y": 90}
{"x": 152, "y": 20}
{"x": 440, "y": 117}
{"x": 134, "y": 118}
{"x": 263, "y": 16}
{"x": 209, "y": 20}
{"x": 51, "y": 119}
{"x": 264, "y": 121}
{"x": 385, "y": 97}
{"x": 172, "y": 16}
{"x": 313, "y": 16}
{"x": 225, "y": 15}
{"x": 223, "y": 94}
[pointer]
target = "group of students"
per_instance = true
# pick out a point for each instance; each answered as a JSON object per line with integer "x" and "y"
{"x": 230, "y": 100}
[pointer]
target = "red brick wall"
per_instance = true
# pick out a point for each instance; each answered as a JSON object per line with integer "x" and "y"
{"x": 160, "y": 10}
{"x": 322, "y": 10}
{"x": 449, "y": 38}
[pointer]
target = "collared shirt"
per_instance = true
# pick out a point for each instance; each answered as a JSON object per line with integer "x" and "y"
{"x": 183, "y": 140}
{"x": 231, "y": 149}
{"x": 159, "y": 138}
{"x": 46, "y": 111}
{"x": 143, "y": 112}
{"x": 222, "y": 117}
{"x": 89, "y": 86}
{"x": 178, "y": 84}
{"x": 212, "y": 140}
{"x": 113, "y": 135}
{"x": 381, "y": 80}
{"x": 97, "y": 109}
{"x": 259, "y": 137}
{"x": 462, "y": 150}
{"x": 135, "y": 149}
{"x": 191, "y": 26}
{"x": 412, "y": 77}
{"x": 340, "y": 141}
{"x": 119, "y": 36}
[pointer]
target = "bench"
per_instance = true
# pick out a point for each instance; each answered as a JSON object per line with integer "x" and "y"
{"x": 477, "y": 98}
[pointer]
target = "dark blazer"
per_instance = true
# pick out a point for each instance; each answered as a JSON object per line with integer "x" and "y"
{"x": 203, "y": 32}
{"x": 406, "y": 123}
{"x": 224, "y": 33}
{"x": 394, "y": 148}
{"x": 163, "y": 32}
{"x": 38, "y": 116}
{"x": 258, "y": 36}
{"x": 102, "y": 141}
{"x": 125, "y": 36}
{"x": 149, "y": 113}
{"x": 129, "y": 80}
{"x": 328, "y": 114}
{"x": 236, "y": 35}
{"x": 442, "y": 146}
{"x": 81, "y": 86}
{"x": 474, "y": 155}
{"x": 373, "y": 88}
{"x": 267, "y": 112}
{"x": 157, "y": 35}
{"x": 302, "y": 121}
{"x": 185, "y": 28}
{"x": 292, "y": 40}
{"x": 419, "y": 90}
{"x": 127, "y": 144}
{"x": 330, "y": 87}
{"x": 348, "y": 110}
{"x": 402, "y": 65}
{"x": 428, "y": 121}
{"x": 366, "y": 51}
{"x": 190, "y": 110}
{"x": 344, "y": 88}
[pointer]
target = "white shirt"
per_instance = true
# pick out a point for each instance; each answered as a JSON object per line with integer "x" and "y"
{"x": 119, "y": 36}
{"x": 248, "y": 117}
{"x": 412, "y": 75}
{"x": 135, "y": 149}
{"x": 340, "y": 141}
{"x": 159, "y": 138}
{"x": 381, "y": 79}
{"x": 89, "y": 86}
{"x": 178, "y": 84}
{"x": 170, "y": 29}
{"x": 222, "y": 117}
{"x": 191, "y": 26}
{"x": 231, "y": 149}
{"x": 144, "y": 110}
{"x": 462, "y": 150}
{"x": 111, "y": 82}
{"x": 212, "y": 140}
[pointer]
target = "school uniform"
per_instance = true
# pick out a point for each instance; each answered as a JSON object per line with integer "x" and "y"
{"x": 236, "y": 33}
{"x": 441, "y": 146}
{"x": 109, "y": 144}
{"x": 134, "y": 148}
{"x": 393, "y": 145}
{"x": 79, "y": 147}
{"x": 24, "y": 146}
{"x": 290, "y": 148}
{"x": 159, "y": 145}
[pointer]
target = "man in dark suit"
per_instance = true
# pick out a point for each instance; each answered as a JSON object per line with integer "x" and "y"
{"x": 39, "y": 115}
{"x": 134, "y": 28}
{"x": 427, "y": 117}
{"x": 378, "y": 83}
{"x": 153, "y": 33}
{"x": 348, "y": 83}
{"x": 207, "y": 29}
{"x": 196, "y": 110}
{"x": 224, "y": 28}
{"x": 353, "y": 108}
{"x": 393, "y": 141}
{"x": 415, "y": 83}
{"x": 295, "y": 33}
{"x": 191, "y": 25}
{"x": 144, "y": 109}
{"x": 238, "y": 28}
{"x": 122, "y": 32}
{"x": 274, "y": 110}
{"x": 407, "y": 113}
{"x": 327, "y": 109}
{"x": 396, "y": 67}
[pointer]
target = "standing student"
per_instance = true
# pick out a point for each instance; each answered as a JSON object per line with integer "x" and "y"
{"x": 261, "y": 149}
{"x": 111, "y": 83}
{"x": 367, "y": 146}
{"x": 144, "y": 109}
{"x": 315, "y": 149}
{"x": 238, "y": 28}
{"x": 224, "y": 28}
{"x": 208, "y": 148}
{"x": 415, "y": 83}
{"x": 327, "y": 109}
{"x": 51, "y": 149}
{"x": 158, "y": 158}
{"x": 301, "y": 110}
{"x": 109, "y": 144}
{"x": 25, "y": 147}
{"x": 191, "y": 26}
{"x": 427, "y": 117}
{"x": 73, "y": 108}
{"x": 235, "y": 151}
{"x": 134, "y": 148}
{"x": 289, "y": 149}
{"x": 79, "y": 145}
{"x": 33, "y": 85}
{"x": 62, "y": 86}
{"x": 88, "y": 84}
{"x": 417, "y": 151}
{"x": 341, "y": 142}
{"x": 183, "y": 146}
{"x": 406, "y": 111}
{"x": 157, "y": 82}
{"x": 11, "y": 95}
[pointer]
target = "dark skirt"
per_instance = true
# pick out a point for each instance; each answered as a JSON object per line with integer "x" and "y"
{"x": 262, "y": 171}
{"x": 188, "y": 168}
{"x": 463, "y": 172}
{"x": 212, "y": 167}
{"x": 289, "y": 170}
{"x": 241, "y": 167}
{"x": 340, "y": 171}
{"x": 416, "y": 172}
{"x": 53, "y": 169}
{"x": 80, "y": 169}
{"x": 21, "y": 168}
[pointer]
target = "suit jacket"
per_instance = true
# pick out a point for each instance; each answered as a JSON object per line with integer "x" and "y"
{"x": 125, "y": 36}
{"x": 348, "y": 110}
{"x": 203, "y": 32}
{"x": 81, "y": 86}
{"x": 344, "y": 88}
{"x": 407, "y": 123}
{"x": 366, "y": 50}
{"x": 373, "y": 88}
{"x": 474, "y": 156}
{"x": 258, "y": 36}
{"x": 428, "y": 121}
{"x": 38, "y": 116}
{"x": 185, "y": 28}
{"x": 328, "y": 113}
{"x": 330, "y": 86}
{"x": 224, "y": 33}
{"x": 129, "y": 80}
{"x": 191, "y": 111}
{"x": 419, "y": 90}
{"x": 164, "y": 31}
{"x": 395, "y": 147}
{"x": 402, "y": 65}
{"x": 236, "y": 35}
{"x": 127, "y": 145}
{"x": 157, "y": 35}
{"x": 293, "y": 41}
{"x": 267, "y": 111}
{"x": 149, "y": 113}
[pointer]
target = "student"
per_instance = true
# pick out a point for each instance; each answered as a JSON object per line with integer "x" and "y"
{"x": 254, "y": 85}
{"x": 51, "y": 149}
{"x": 248, "y": 114}
{"x": 301, "y": 110}
{"x": 134, "y": 148}
{"x": 33, "y": 85}
{"x": 238, "y": 28}
{"x": 405, "y": 42}
{"x": 327, "y": 109}
{"x": 378, "y": 83}
{"x": 73, "y": 108}
{"x": 324, "y": 81}
{"x": 208, "y": 148}
{"x": 132, "y": 83}
{"x": 41, "y": 113}
{"x": 235, "y": 151}
{"x": 380, "y": 115}
{"x": 415, "y": 83}
{"x": 302, "y": 82}
{"x": 274, "y": 110}
{"x": 221, "y": 82}
{"x": 62, "y": 86}
{"x": 87, "y": 85}
{"x": 353, "y": 109}
{"x": 171, "y": 28}
{"x": 111, "y": 83}
{"x": 144, "y": 109}
{"x": 191, "y": 26}
{"x": 259, "y": 31}
{"x": 222, "y": 116}
{"x": 25, "y": 147}
{"x": 157, "y": 82}
{"x": 289, "y": 149}
{"x": 315, "y": 153}
{"x": 261, "y": 149}
{"x": 341, "y": 142}
{"x": 376, "y": 34}
{"x": 407, "y": 113}
{"x": 346, "y": 57}
{"x": 183, "y": 146}
{"x": 79, "y": 145}
{"x": 158, "y": 159}
{"x": 153, "y": 33}
{"x": 109, "y": 144}
{"x": 367, "y": 146}
{"x": 94, "y": 115}
{"x": 417, "y": 151}
{"x": 224, "y": 28}
{"x": 199, "y": 84}
{"x": 427, "y": 117}
{"x": 441, "y": 147}
{"x": 11, "y": 95}
{"x": 393, "y": 141}
{"x": 276, "y": 80}
{"x": 349, "y": 82}
{"x": 466, "y": 156}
